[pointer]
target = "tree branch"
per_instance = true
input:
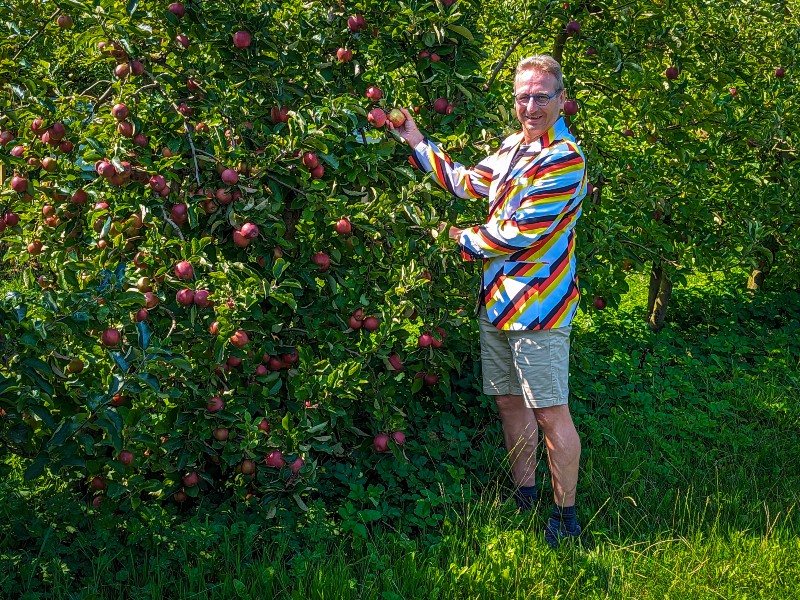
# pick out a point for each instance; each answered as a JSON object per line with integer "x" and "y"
{"x": 35, "y": 35}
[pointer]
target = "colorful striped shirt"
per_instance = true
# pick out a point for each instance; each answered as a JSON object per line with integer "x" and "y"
{"x": 527, "y": 245}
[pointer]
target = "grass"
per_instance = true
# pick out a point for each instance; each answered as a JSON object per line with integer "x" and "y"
{"x": 690, "y": 487}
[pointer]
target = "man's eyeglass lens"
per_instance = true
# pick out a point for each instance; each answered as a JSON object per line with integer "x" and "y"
{"x": 540, "y": 99}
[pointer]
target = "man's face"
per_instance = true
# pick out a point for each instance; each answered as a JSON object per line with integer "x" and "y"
{"x": 535, "y": 119}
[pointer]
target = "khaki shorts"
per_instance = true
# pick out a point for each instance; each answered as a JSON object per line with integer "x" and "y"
{"x": 531, "y": 364}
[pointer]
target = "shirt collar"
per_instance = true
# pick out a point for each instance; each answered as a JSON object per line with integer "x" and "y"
{"x": 558, "y": 131}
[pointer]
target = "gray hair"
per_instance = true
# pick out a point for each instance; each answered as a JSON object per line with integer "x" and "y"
{"x": 543, "y": 64}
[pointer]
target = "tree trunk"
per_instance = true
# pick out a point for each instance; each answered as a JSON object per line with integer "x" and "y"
{"x": 658, "y": 314}
{"x": 655, "y": 284}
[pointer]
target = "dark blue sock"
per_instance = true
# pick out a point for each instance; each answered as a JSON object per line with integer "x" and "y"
{"x": 526, "y": 497}
{"x": 566, "y": 515}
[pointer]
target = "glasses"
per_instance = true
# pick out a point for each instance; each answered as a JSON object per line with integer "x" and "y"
{"x": 540, "y": 99}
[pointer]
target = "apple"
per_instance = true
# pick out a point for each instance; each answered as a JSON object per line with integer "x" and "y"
{"x": 374, "y": 93}
{"x": 381, "y": 442}
{"x": 733, "y": 91}
{"x": 423, "y": 55}
{"x": 395, "y": 362}
{"x": 247, "y": 466}
{"x": 317, "y": 172}
{"x": 220, "y": 434}
{"x": 214, "y": 404}
{"x": 276, "y": 364}
{"x": 110, "y": 337}
{"x": 440, "y": 105}
{"x": 182, "y": 40}
{"x": 201, "y": 298}
{"x": 122, "y": 70}
{"x": 239, "y": 339}
{"x": 137, "y": 68}
{"x": 261, "y": 370}
{"x": 573, "y": 27}
{"x": 57, "y": 131}
{"x": 119, "y": 399}
{"x": 242, "y": 39}
{"x": 213, "y": 329}
{"x": 780, "y": 72}
{"x": 296, "y": 465}
{"x": 344, "y": 55}
{"x": 191, "y": 480}
{"x": 11, "y": 219}
{"x": 240, "y": 240}
{"x": 64, "y": 21}
{"x": 671, "y": 73}
{"x": 435, "y": 58}
{"x": 322, "y": 260}
{"x": 359, "y": 314}
{"x": 233, "y": 362}
{"x": 310, "y": 160}
{"x": 627, "y": 132}
{"x": 185, "y": 297}
{"x": 370, "y": 324}
{"x": 6, "y": 137}
{"x": 570, "y": 107}
{"x": 125, "y": 457}
{"x": 119, "y": 111}
{"x": 430, "y": 379}
{"x": 275, "y": 459}
{"x": 356, "y": 23}
{"x": 376, "y": 117}
{"x": 150, "y": 300}
{"x": 141, "y": 315}
{"x": 37, "y": 126}
{"x": 98, "y": 483}
{"x": 425, "y": 340}
{"x": 263, "y": 425}
{"x": 399, "y": 438}
{"x": 184, "y": 270}
{"x": 599, "y": 302}
{"x": 343, "y": 226}
{"x": 18, "y": 151}
{"x": 396, "y": 117}
{"x": 75, "y": 365}
{"x": 249, "y": 230}
{"x": 19, "y": 184}
{"x": 180, "y": 496}
{"x": 354, "y": 323}
{"x": 230, "y": 177}
{"x": 177, "y": 9}
{"x": 590, "y": 52}
{"x": 279, "y": 114}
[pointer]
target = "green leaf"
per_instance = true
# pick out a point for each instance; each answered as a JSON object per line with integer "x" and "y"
{"x": 150, "y": 380}
{"x": 36, "y": 468}
{"x": 144, "y": 334}
{"x": 132, "y": 6}
{"x": 462, "y": 31}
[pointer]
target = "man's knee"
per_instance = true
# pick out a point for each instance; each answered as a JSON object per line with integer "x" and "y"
{"x": 509, "y": 402}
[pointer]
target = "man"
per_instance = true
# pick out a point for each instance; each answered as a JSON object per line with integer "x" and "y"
{"x": 534, "y": 185}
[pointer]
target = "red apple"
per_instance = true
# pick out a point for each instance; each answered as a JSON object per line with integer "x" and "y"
{"x": 354, "y": 323}
{"x": 201, "y": 298}
{"x": 599, "y": 302}
{"x": 19, "y": 184}
{"x": 573, "y": 27}
{"x": 374, "y": 93}
{"x": 344, "y": 55}
{"x": 184, "y": 270}
{"x": 110, "y": 337}
{"x": 376, "y": 117}
{"x": 570, "y": 108}
{"x": 627, "y": 132}
{"x": 247, "y": 466}
{"x": 440, "y": 105}
{"x": 780, "y": 72}
{"x": 239, "y": 339}
{"x": 214, "y": 404}
{"x": 279, "y": 114}
{"x": 230, "y": 177}
{"x": 213, "y": 329}
{"x": 220, "y": 434}
{"x": 191, "y": 480}
{"x": 322, "y": 260}
{"x": 317, "y": 172}
{"x": 671, "y": 73}
{"x": 242, "y": 39}
{"x": 310, "y": 160}
{"x": 64, "y": 21}
{"x": 98, "y": 483}
{"x": 275, "y": 459}
{"x": 119, "y": 111}
{"x": 370, "y": 324}
{"x": 185, "y": 297}
{"x": 381, "y": 442}
{"x": 356, "y": 23}
{"x": 343, "y": 226}
{"x": 141, "y": 315}
{"x": 182, "y": 40}
{"x": 177, "y": 9}
{"x": 395, "y": 362}
{"x": 430, "y": 379}
{"x": 125, "y": 457}
{"x": 137, "y": 68}
{"x": 296, "y": 465}
{"x": 249, "y": 230}
{"x": 263, "y": 425}
{"x": 399, "y": 437}
{"x": 425, "y": 340}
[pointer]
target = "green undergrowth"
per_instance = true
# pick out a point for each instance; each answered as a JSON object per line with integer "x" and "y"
{"x": 690, "y": 486}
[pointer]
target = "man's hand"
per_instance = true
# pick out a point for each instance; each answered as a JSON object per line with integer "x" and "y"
{"x": 408, "y": 130}
{"x": 453, "y": 233}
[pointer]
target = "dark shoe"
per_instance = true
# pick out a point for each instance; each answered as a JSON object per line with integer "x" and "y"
{"x": 556, "y": 533}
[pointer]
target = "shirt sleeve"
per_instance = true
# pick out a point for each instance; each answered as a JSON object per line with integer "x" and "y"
{"x": 457, "y": 179}
{"x": 553, "y": 195}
